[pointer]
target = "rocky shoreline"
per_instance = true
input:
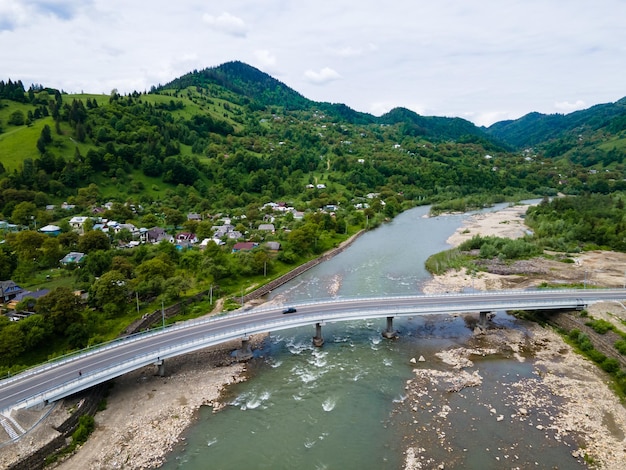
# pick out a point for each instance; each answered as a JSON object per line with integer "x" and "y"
{"x": 568, "y": 398}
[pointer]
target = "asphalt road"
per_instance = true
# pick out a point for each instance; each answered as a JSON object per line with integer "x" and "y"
{"x": 52, "y": 381}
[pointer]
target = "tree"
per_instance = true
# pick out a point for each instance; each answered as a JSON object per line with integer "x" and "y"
{"x": 93, "y": 240}
{"x": 17, "y": 118}
{"x": 110, "y": 293}
{"x": 60, "y": 308}
{"x": 158, "y": 267}
{"x": 173, "y": 216}
{"x": 26, "y": 244}
{"x": 35, "y": 331}
{"x": 51, "y": 252}
{"x": 69, "y": 240}
{"x": 12, "y": 343}
{"x": 24, "y": 213}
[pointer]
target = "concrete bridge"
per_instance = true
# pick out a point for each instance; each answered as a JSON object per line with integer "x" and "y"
{"x": 76, "y": 372}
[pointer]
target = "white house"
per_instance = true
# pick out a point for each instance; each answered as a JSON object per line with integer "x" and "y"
{"x": 77, "y": 223}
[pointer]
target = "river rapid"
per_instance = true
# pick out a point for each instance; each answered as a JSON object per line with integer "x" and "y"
{"x": 347, "y": 405}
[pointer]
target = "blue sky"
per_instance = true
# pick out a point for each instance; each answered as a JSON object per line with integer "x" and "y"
{"x": 484, "y": 61}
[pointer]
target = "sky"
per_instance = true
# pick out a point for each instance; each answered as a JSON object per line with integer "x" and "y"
{"x": 481, "y": 60}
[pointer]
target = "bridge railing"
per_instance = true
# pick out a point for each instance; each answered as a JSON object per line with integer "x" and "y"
{"x": 94, "y": 349}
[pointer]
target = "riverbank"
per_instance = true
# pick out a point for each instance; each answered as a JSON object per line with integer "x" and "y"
{"x": 593, "y": 268}
{"x": 146, "y": 414}
{"x": 569, "y": 397}
{"x": 567, "y": 400}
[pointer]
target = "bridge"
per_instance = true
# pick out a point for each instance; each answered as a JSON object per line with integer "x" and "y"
{"x": 70, "y": 374}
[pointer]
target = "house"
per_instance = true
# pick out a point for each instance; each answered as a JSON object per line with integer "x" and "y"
{"x": 186, "y": 238}
{"x": 73, "y": 257}
{"x": 244, "y": 246}
{"x": 204, "y": 243}
{"x": 157, "y": 234}
{"x": 25, "y": 294}
{"x": 52, "y": 230}
{"x": 234, "y": 235}
{"x": 273, "y": 246}
{"x": 134, "y": 231}
{"x": 194, "y": 216}
{"x": 9, "y": 290}
{"x": 267, "y": 227}
{"x": 77, "y": 223}
{"x": 221, "y": 230}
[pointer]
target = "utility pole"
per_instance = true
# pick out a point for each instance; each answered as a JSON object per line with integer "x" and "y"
{"x": 137, "y": 298}
{"x": 163, "y": 313}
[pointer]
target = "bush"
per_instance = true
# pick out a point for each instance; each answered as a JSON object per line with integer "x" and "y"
{"x": 600, "y": 326}
{"x": 621, "y": 346}
{"x": 86, "y": 425}
{"x": 583, "y": 342}
{"x": 596, "y": 356}
{"x": 610, "y": 365}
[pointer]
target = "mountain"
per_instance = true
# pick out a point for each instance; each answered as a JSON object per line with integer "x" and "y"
{"x": 259, "y": 90}
{"x": 536, "y": 128}
{"x": 432, "y": 126}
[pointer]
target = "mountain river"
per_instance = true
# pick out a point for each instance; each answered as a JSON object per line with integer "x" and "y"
{"x": 344, "y": 405}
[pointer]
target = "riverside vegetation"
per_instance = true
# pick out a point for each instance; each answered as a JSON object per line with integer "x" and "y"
{"x": 233, "y": 146}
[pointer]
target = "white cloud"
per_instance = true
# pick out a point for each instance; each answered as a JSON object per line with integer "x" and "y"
{"x": 487, "y": 118}
{"x": 265, "y": 58}
{"x": 325, "y": 75}
{"x": 348, "y": 51}
{"x": 11, "y": 14}
{"x": 567, "y": 107}
{"x": 227, "y": 23}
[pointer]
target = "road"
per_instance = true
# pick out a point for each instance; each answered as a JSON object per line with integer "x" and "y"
{"x": 65, "y": 376}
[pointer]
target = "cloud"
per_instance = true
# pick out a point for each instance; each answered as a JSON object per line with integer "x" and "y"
{"x": 63, "y": 9}
{"x": 12, "y": 14}
{"x": 323, "y": 76}
{"x": 348, "y": 51}
{"x": 567, "y": 107}
{"x": 16, "y": 13}
{"x": 227, "y": 23}
{"x": 265, "y": 58}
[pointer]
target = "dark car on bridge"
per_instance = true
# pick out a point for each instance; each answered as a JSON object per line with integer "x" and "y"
{"x": 290, "y": 310}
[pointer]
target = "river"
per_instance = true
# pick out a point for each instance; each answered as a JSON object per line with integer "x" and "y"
{"x": 344, "y": 405}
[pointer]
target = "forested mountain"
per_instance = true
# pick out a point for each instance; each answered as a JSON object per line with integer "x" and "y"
{"x": 596, "y": 135}
{"x": 433, "y": 127}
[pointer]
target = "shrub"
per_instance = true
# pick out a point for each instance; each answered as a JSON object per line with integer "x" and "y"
{"x": 621, "y": 346}
{"x": 600, "y": 326}
{"x": 596, "y": 356}
{"x": 86, "y": 425}
{"x": 610, "y": 365}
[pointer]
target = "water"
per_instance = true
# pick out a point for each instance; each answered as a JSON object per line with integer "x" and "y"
{"x": 345, "y": 405}
{"x": 386, "y": 261}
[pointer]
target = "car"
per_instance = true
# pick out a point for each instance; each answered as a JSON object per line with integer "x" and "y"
{"x": 290, "y": 310}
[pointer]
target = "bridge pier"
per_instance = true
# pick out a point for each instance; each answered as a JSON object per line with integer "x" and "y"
{"x": 245, "y": 352}
{"x": 160, "y": 363}
{"x": 485, "y": 317}
{"x": 318, "y": 340}
{"x": 390, "y": 333}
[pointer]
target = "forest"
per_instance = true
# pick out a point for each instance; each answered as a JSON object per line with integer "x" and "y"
{"x": 235, "y": 148}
